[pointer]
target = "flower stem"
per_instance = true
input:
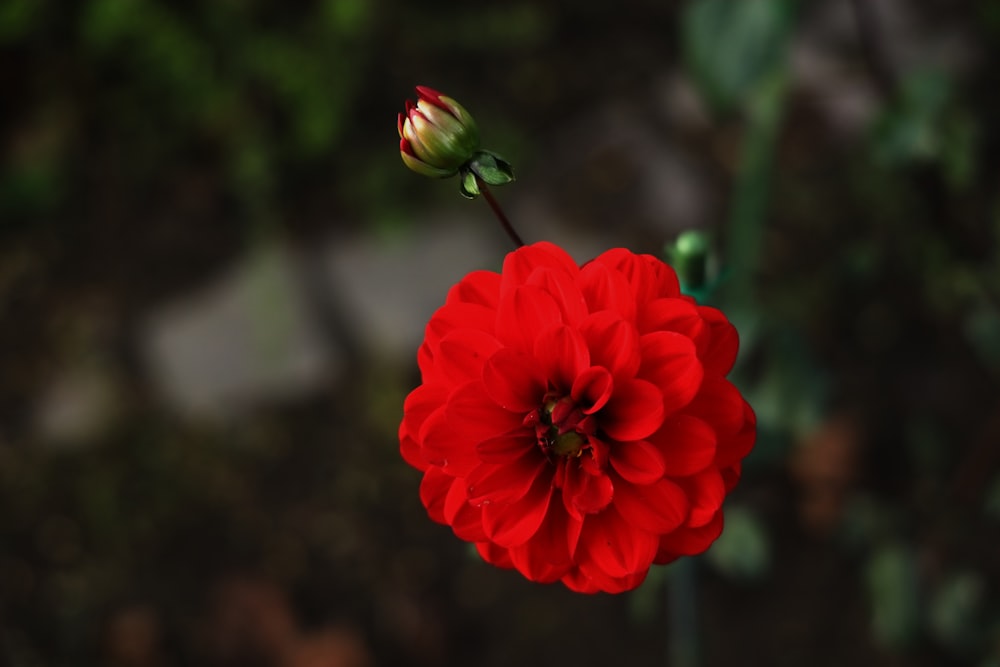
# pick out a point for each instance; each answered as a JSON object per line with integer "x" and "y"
{"x": 507, "y": 227}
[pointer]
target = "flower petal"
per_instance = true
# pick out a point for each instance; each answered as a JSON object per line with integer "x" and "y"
{"x": 688, "y": 541}
{"x": 545, "y": 557}
{"x": 658, "y": 508}
{"x": 522, "y": 313}
{"x": 637, "y": 462}
{"x": 513, "y": 524}
{"x": 514, "y": 380}
{"x": 592, "y": 389}
{"x": 478, "y": 287}
{"x": 447, "y": 447}
{"x": 562, "y": 355}
{"x": 718, "y": 352}
{"x": 634, "y": 412}
{"x": 454, "y": 316}
{"x": 520, "y": 264}
{"x": 465, "y": 520}
{"x": 686, "y": 443}
{"x": 719, "y": 403}
{"x": 504, "y": 483}
{"x": 561, "y": 285}
{"x": 734, "y": 448}
{"x": 475, "y": 417}
{"x": 434, "y": 488}
{"x": 675, "y": 315}
{"x": 669, "y": 361}
{"x": 584, "y": 493}
{"x": 706, "y": 491}
{"x": 494, "y": 554}
{"x": 611, "y": 545}
{"x": 462, "y": 354}
{"x": 613, "y": 343}
{"x": 506, "y": 448}
{"x": 606, "y": 289}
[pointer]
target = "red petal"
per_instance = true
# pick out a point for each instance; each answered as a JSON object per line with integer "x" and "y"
{"x": 634, "y": 412}
{"x": 613, "y": 343}
{"x": 520, "y": 264}
{"x": 475, "y": 417}
{"x": 419, "y": 405}
{"x": 432, "y": 96}
{"x": 706, "y": 491}
{"x": 734, "y": 448}
{"x": 465, "y": 520}
{"x": 658, "y": 508}
{"x": 669, "y": 361}
{"x": 718, "y": 351}
{"x": 511, "y": 525}
{"x": 447, "y": 447}
{"x": 592, "y": 389}
{"x": 477, "y": 287}
{"x": 561, "y": 285}
{"x": 687, "y": 541}
{"x": 494, "y": 554}
{"x": 584, "y": 493}
{"x": 731, "y": 476}
{"x": 545, "y": 557}
{"x": 454, "y": 316}
{"x": 506, "y": 448}
{"x": 434, "y": 488}
{"x": 562, "y": 354}
{"x": 666, "y": 277}
{"x": 522, "y": 313}
{"x": 644, "y": 273}
{"x": 686, "y": 443}
{"x": 504, "y": 483}
{"x": 514, "y": 380}
{"x": 462, "y": 354}
{"x": 719, "y": 403}
{"x": 610, "y": 545}
{"x": 638, "y": 461}
{"x": 606, "y": 289}
{"x": 671, "y": 315}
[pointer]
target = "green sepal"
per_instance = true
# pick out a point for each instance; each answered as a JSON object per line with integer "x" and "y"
{"x": 468, "y": 185}
{"x": 491, "y": 168}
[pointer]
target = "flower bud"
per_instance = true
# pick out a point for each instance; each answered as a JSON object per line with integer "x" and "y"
{"x": 437, "y": 136}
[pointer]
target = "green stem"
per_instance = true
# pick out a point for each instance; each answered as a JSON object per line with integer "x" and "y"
{"x": 495, "y": 205}
{"x": 753, "y": 179}
{"x": 682, "y": 614}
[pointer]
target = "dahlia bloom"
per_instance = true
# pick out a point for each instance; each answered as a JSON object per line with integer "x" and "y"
{"x": 575, "y": 422}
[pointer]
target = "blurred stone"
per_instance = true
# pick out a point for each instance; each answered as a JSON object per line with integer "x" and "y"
{"x": 250, "y": 337}
{"x": 76, "y": 406}
{"x": 389, "y": 289}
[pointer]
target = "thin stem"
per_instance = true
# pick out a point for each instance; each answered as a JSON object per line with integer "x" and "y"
{"x": 507, "y": 227}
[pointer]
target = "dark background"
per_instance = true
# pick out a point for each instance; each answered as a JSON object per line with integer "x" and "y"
{"x": 214, "y": 269}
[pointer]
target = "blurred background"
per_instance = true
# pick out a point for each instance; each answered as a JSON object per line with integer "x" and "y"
{"x": 215, "y": 272}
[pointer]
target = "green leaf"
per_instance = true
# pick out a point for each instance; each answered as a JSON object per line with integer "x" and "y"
{"x": 955, "y": 609}
{"x": 743, "y": 551}
{"x": 491, "y": 168}
{"x": 469, "y": 187}
{"x": 893, "y": 590}
{"x": 732, "y": 47}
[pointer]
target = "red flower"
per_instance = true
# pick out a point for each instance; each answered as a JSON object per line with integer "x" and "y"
{"x": 575, "y": 422}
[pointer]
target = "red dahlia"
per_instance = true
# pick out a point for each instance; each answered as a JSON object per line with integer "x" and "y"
{"x": 575, "y": 423}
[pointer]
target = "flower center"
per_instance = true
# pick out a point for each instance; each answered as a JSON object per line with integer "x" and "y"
{"x": 561, "y": 427}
